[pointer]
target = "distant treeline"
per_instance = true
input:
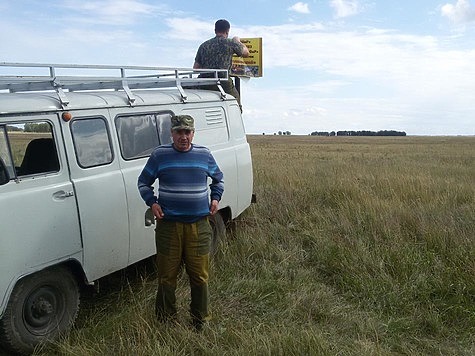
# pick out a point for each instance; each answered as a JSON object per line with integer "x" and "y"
{"x": 359, "y": 133}
{"x": 29, "y": 127}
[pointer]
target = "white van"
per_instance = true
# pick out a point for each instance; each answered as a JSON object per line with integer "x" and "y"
{"x": 71, "y": 150}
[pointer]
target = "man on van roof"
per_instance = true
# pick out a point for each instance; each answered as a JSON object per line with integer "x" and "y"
{"x": 217, "y": 53}
{"x": 183, "y": 232}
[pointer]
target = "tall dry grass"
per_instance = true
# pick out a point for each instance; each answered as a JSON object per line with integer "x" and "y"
{"x": 355, "y": 246}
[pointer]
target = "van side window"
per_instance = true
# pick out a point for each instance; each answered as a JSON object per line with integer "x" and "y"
{"x": 33, "y": 148}
{"x": 140, "y": 134}
{"x": 91, "y": 142}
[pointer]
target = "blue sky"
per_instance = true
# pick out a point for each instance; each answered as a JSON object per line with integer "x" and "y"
{"x": 329, "y": 65}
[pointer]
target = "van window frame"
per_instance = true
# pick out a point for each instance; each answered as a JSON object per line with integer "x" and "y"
{"x": 109, "y": 139}
{"x": 9, "y": 153}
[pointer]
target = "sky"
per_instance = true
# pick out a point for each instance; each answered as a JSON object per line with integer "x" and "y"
{"x": 328, "y": 65}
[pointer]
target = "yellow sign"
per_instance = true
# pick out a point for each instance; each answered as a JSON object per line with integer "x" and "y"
{"x": 250, "y": 66}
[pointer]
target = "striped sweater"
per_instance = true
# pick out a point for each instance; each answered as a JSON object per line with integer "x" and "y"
{"x": 182, "y": 182}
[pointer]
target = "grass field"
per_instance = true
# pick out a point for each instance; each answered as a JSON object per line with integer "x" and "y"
{"x": 19, "y": 141}
{"x": 356, "y": 246}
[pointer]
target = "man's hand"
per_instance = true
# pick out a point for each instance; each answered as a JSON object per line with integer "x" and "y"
{"x": 213, "y": 208}
{"x": 245, "y": 50}
{"x": 157, "y": 211}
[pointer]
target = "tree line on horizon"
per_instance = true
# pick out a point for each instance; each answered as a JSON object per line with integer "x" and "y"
{"x": 359, "y": 133}
{"x": 31, "y": 127}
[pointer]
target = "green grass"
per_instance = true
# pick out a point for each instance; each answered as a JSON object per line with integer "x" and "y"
{"x": 20, "y": 140}
{"x": 356, "y": 246}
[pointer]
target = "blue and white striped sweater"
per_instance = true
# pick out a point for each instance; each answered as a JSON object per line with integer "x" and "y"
{"x": 182, "y": 182}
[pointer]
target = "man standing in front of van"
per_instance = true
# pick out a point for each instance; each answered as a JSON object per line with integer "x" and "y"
{"x": 217, "y": 53}
{"x": 182, "y": 208}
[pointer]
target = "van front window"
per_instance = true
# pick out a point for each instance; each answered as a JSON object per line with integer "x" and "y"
{"x": 33, "y": 149}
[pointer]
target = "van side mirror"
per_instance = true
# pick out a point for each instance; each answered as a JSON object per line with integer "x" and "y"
{"x": 4, "y": 176}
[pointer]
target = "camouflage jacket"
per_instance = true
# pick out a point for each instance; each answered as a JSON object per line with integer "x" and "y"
{"x": 217, "y": 52}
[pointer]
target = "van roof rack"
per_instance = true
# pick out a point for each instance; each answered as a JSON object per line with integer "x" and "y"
{"x": 95, "y": 78}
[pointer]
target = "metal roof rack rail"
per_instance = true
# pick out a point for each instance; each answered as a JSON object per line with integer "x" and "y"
{"x": 144, "y": 78}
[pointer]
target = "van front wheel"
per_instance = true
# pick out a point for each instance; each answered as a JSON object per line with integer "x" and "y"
{"x": 41, "y": 306}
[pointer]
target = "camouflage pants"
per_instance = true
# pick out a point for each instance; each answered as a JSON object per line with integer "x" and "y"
{"x": 181, "y": 243}
{"x": 228, "y": 87}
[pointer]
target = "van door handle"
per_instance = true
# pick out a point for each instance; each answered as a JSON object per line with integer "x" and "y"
{"x": 60, "y": 195}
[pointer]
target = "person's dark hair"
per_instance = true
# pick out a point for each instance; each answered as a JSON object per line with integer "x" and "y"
{"x": 222, "y": 26}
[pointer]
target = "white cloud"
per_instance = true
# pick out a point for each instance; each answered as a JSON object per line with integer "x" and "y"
{"x": 190, "y": 29}
{"x": 461, "y": 12}
{"x": 345, "y": 8}
{"x": 112, "y": 12}
{"x": 366, "y": 79}
{"x": 300, "y": 7}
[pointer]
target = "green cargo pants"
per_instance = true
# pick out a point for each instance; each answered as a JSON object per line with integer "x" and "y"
{"x": 179, "y": 243}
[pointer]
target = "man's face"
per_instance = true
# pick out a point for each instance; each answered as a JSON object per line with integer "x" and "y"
{"x": 182, "y": 139}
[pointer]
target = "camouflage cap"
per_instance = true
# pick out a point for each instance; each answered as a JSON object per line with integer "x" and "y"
{"x": 183, "y": 122}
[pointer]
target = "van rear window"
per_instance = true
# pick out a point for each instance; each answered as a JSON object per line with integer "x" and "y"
{"x": 140, "y": 134}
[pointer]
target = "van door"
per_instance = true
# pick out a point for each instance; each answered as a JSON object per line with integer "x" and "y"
{"x": 100, "y": 193}
{"x": 139, "y": 132}
{"x": 243, "y": 160}
{"x": 38, "y": 217}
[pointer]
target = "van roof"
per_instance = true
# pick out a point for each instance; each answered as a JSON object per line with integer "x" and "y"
{"x": 15, "y": 103}
{"x": 101, "y": 87}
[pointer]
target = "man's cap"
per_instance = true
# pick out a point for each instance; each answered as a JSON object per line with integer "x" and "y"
{"x": 183, "y": 122}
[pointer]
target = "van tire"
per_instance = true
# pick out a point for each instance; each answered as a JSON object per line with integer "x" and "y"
{"x": 218, "y": 232}
{"x": 40, "y": 308}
